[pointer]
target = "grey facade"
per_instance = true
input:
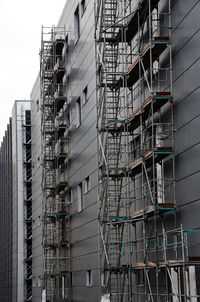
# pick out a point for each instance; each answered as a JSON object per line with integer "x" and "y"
{"x": 82, "y": 151}
{"x": 82, "y": 166}
{"x": 6, "y": 216}
{"x": 186, "y": 89}
{"x": 18, "y": 202}
{"x": 16, "y": 282}
{"x": 81, "y": 69}
{"x": 37, "y": 264}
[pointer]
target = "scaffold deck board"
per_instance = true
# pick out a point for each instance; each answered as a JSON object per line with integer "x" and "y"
{"x": 160, "y": 207}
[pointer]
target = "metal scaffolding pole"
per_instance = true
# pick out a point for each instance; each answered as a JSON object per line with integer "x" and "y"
{"x": 56, "y": 224}
{"x": 143, "y": 253}
{"x": 27, "y": 192}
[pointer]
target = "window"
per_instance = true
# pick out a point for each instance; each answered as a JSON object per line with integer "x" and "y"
{"x": 89, "y": 278}
{"x": 140, "y": 277}
{"x": 80, "y": 197}
{"x": 38, "y": 162}
{"x": 78, "y": 112}
{"x": 68, "y": 118}
{"x": 76, "y": 25}
{"x": 38, "y": 105}
{"x": 64, "y": 287}
{"x": 38, "y": 221}
{"x": 84, "y": 96}
{"x": 72, "y": 278}
{"x": 65, "y": 49}
{"x": 34, "y": 282}
{"x": 83, "y": 7}
{"x": 39, "y": 281}
{"x": 71, "y": 195}
{"x": 87, "y": 184}
{"x": 104, "y": 278}
{"x": 66, "y": 43}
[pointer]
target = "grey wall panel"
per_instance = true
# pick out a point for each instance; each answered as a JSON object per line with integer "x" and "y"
{"x": 183, "y": 115}
{"x": 88, "y": 214}
{"x": 191, "y": 159}
{"x": 191, "y": 137}
{"x": 85, "y": 247}
{"x": 83, "y": 148}
{"x": 186, "y": 86}
{"x": 84, "y": 262}
{"x": 37, "y": 193}
{"x": 6, "y": 215}
{"x": 188, "y": 189}
{"x": 81, "y": 233}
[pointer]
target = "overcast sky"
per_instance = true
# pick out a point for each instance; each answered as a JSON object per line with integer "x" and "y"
{"x": 20, "y": 38}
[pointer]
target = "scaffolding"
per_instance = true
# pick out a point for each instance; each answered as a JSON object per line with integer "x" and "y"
{"x": 145, "y": 254}
{"x": 56, "y": 232}
{"x": 27, "y": 191}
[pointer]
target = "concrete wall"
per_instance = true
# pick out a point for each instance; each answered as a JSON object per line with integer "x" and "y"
{"x": 6, "y": 216}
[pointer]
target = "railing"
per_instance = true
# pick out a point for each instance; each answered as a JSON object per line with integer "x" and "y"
{"x": 157, "y": 136}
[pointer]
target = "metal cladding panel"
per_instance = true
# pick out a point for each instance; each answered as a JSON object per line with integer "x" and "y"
{"x": 192, "y": 164}
{"x": 183, "y": 115}
{"x": 186, "y": 64}
{"x": 83, "y": 148}
{"x": 37, "y": 192}
{"x": 6, "y": 216}
{"x": 18, "y": 201}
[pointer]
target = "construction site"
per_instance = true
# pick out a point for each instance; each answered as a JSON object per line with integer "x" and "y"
{"x": 56, "y": 246}
{"x": 105, "y": 167}
{"x": 146, "y": 253}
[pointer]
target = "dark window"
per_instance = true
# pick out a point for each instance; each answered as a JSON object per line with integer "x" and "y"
{"x": 87, "y": 184}
{"x": 89, "y": 278}
{"x": 84, "y": 96}
{"x": 78, "y": 112}
{"x": 72, "y": 278}
{"x": 83, "y": 7}
{"x": 76, "y": 25}
{"x": 66, "y": 42}
{"x": 140, "y": 277}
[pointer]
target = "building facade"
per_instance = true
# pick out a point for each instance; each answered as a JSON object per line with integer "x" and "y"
{"x": 21, "y": 192}
{"x": 75, "y": 153}
{"x": 16, "y": 206}
{"x": 6, "y": 215}
{"x": 105, "y": 198}
{"x": 76, "y": 68}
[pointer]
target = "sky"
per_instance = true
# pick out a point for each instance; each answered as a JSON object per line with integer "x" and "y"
{"x": 20, "y": 39}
